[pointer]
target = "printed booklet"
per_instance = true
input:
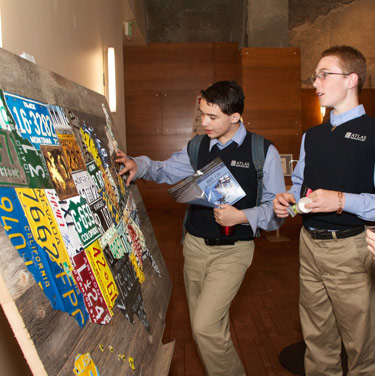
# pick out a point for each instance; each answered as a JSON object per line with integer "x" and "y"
{"x": 212, "y": 186}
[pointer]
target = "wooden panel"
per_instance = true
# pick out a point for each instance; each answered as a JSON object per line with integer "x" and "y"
{"x": 168, "y": 66}
{"x": 367, "y": 98}
{"x": 272, "y": 85}
{"x": 143, "y": 112}
{"x": 176, "y": 72}
{"x": 226, "y": 61}
{"x": 157, "y": 147}
{"x": 311, "y": 114}
{"x": 287, "y": 141}
{"x": 158, "y": 198}
{"x": 175, "y": 53}
{"x": 178, "y": 110}
{"x": 51, "y": 339}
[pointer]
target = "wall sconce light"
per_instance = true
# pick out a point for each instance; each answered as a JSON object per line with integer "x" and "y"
{"x": 111, "y": 79}
{"x": 322, "y": 111}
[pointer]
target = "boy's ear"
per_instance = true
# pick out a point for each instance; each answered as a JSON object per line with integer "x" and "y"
{"x": 353, "y": 80}
{"x": 235, "y": 118}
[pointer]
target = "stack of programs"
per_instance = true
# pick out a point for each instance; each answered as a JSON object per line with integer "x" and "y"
{"x": 211, "y": 186}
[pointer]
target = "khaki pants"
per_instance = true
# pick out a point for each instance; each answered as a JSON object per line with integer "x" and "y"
{"x": 213, "y": 275}
{"x": 337, "y": 303}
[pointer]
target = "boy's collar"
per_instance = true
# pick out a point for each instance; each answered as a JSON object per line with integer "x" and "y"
{"x": 346, "y": 116}
{"x": 238, "y": 138}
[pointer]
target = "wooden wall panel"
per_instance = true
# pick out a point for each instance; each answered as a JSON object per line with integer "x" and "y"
{"x": 158, "y": 126}
{"x": 286, "y": 141}
{"x": 367, "y": 98}
{"x": 311, "y": 114}
{"x": 157, "y": 147}
{"x": 227, "y": 61}
{"x": 178, "y": 110}
{"x": 168, "y": 66}
{"x": 143, "y": 112}
{"x": 272, "y": 87}
{"x": 271, "y": 79}
{"x": 158, "y": 198}
{"x": 174, "y": 53}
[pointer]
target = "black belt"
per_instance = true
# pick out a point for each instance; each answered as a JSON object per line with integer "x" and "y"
{"x": 222, "y": 241}
{"x": 339, "y": 234}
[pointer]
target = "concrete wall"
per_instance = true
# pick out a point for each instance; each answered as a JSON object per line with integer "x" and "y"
{"x": 196, "y": 21}
{"x": 303, "y": 11}
{"x": 315, "y": 26}
{"x": 267, "y": 24}
{"x": 69, "y": 37}
{"x": 309, "y": 25}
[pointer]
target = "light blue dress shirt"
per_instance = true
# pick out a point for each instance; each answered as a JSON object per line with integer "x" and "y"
{"x": 362, "y": 205}
{"x": 178, "y": 167}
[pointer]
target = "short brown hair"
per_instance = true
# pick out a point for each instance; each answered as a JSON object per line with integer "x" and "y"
{"x": 228, "y": 95}
{"x": 351, "y": 60}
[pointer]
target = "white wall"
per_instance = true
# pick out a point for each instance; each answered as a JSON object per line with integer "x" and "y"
{"x": 69, "y": 37}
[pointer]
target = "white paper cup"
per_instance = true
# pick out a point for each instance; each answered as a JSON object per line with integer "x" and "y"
{"x": 301, "y": 209}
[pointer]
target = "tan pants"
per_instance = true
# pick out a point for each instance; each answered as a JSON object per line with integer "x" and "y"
{"x": 213, "y": 275}
{"x": 337, "y": 303}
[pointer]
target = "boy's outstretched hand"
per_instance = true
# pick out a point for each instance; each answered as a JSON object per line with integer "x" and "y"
{"x": 129, "y": 166}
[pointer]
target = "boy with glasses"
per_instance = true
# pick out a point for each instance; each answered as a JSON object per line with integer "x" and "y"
{"x": 336, "y": 171}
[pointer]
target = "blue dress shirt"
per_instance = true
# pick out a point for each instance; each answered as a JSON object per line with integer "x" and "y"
{"x": 178, "y": 167}
{"x": 362, "y": 205}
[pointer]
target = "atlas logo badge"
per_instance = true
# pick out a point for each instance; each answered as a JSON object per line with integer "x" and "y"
{"x": 355, "y": 136}
{"x": 240, "y": 164}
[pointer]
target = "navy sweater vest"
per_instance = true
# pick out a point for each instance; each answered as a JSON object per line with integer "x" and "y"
{"x": 340, "y": 160}
{"x": 238, "y": 159}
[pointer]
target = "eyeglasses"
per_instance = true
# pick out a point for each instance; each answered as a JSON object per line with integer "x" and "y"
{"x": 323, "y": 75}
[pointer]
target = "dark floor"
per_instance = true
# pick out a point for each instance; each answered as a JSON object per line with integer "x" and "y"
{"x": 264, "y": 314}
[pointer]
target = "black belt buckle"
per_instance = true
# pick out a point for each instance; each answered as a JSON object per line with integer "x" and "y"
{"x": 212, "y": 242}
